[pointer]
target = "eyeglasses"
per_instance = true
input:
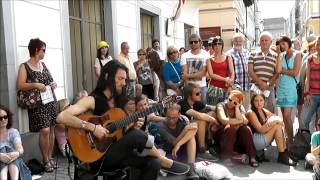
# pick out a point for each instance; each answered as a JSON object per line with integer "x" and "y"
{"x": 234, "y": 102}
{"x": 193, "y": 42}
{"x": 141, "y": 54}
{"x": 3, "y": 117}
{"x": 173, "y": 52}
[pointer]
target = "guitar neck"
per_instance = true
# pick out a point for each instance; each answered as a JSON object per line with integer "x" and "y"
{"x": 134, "y": 117}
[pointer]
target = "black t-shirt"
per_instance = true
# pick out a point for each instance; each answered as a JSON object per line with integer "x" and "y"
{"x": 100, "y": 104}
{"x": 197, "y": 106}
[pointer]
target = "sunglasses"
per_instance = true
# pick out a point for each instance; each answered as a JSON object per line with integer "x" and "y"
{"x": 3, "y": 117}
{"x": 215, "y": 44}
{"x": 141, "y": 54}
{"x": 197, "y": 93}
{"x": 173, "y": 52}
{"x": 234, "y": 102}
{"x": 193, "y": 42}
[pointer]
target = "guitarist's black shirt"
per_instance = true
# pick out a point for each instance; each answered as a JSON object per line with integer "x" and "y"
{"x": 100, "y": 104}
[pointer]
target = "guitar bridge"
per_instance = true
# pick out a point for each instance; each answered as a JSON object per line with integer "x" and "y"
{"x": 90, "y": 140}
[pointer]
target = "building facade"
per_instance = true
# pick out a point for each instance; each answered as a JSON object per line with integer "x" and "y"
{"x": 225, "y": 17}
{"x": 72, "y": 28}
{"x": 276, "y": 26}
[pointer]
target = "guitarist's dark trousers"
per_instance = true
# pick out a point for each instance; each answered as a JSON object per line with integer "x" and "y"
{"x": 123, "y": 153}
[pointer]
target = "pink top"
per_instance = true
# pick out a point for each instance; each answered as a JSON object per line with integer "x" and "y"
{"x": 221, "y": 69}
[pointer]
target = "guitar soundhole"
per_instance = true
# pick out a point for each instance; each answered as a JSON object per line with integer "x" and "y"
{"x": 102, "y": 144}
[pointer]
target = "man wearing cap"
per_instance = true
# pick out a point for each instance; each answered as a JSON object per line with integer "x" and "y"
{"x": 125, "y": 59}
{"x": 103, "y": 57}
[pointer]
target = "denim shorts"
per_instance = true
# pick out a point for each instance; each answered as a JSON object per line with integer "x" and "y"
{"x": 260, "y": 141}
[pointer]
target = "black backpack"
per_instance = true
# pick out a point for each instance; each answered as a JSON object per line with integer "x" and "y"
{"x": 35, "y": 167}
{"x": 301, "y": 144}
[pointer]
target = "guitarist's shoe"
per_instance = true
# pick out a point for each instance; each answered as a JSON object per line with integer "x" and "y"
{"x": 177, "y": 168}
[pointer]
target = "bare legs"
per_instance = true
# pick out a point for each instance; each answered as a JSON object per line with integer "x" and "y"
{"x": 286, "y": 113}
{"x": 13, "y": 171}
{"x": 276, "y": 133}
{"x": 46, "y": 142}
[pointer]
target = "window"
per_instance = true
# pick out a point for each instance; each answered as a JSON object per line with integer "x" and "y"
{"x": 187, "y": 34}
{"x": 147, "y": 31}
{"x": 86, "y": 30}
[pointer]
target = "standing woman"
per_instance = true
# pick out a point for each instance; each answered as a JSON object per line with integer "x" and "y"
{"x": 41, "y": 118}
{"x": 102, "y": 57}
{"x": 221, "y": 73}
{"x": 11, "y": 149}
{"x": 144, "y": 73}
{"x": 156, "y": 65}
{"x": 288, "y": 66}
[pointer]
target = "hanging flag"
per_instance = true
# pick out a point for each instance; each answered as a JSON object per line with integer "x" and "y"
{"x": 178, "y": 10}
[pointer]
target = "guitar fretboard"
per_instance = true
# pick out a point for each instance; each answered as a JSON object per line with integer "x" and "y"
{"x": 134, "y": 117}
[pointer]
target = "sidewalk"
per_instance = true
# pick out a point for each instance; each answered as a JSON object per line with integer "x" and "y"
{"x": 266, "y": 171}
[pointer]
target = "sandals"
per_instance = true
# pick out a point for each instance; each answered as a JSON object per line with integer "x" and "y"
{"x": 254, "y": 163}
{"x": 48, "y": 166}
{"x": 53, "y": 163}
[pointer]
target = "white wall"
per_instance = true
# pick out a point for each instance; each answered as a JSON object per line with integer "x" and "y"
{"x": 127, "y": 25}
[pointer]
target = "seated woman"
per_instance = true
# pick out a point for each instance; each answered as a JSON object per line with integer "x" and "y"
{"x": 234, "y": 129}
{"x": 267, "y": 127}
{"x": 11, "y": 149}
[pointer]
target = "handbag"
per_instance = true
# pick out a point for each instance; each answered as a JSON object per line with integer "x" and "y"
{"x": 28, "y": 99}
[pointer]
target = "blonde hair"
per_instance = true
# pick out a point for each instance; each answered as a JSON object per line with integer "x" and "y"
{"x": 171, "y": 49}
{"x": 238, "y": 94}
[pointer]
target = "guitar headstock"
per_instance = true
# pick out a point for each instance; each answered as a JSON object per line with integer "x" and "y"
{"x": 169, "y": 100}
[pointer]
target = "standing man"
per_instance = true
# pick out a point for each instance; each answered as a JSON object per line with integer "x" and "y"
{"x": 262, "y": 68}
{"x": 240, "y": 57}
{"x": 194, "y": 67}
{"x": 156, "y": 47}
{"x": 125, "y": 59}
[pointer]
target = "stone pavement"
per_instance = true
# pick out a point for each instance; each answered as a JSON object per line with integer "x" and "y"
{"x": 266, "y": 171}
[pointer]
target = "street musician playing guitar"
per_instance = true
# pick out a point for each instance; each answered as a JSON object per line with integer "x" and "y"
{"x": 133, "y": 149}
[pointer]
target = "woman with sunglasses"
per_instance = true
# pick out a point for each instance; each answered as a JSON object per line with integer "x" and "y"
{"x": 172, "y": 72}
{"x": 267, "y": 127}
{"x": 11, "y": 149}
{"x": 144, "y": 73}
{"x": 221, "y": 73}
{"x": 33, "y": 74}
{"x": 233, "y": 129}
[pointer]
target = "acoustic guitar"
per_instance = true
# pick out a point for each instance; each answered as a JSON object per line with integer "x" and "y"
{"x": 87, "y": 148}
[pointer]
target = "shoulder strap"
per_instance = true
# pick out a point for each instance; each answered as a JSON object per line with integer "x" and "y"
{"x": 100, "y": 63}
{"x": 29, "y": 76}
{"x": 175, "y": 71}
{"x": 288, "y": 68}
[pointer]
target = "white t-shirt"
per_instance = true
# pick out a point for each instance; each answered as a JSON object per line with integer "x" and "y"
{"x": 196, "y": 63}
{"x": 103, "y": 61}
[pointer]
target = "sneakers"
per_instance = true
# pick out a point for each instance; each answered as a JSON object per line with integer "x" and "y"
{"x": 205, "y": 155}
{"x": 177, "y": 168}
{"x": 192, "y": 175}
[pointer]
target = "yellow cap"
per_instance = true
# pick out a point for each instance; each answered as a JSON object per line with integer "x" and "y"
{"x": 102, "y": 44}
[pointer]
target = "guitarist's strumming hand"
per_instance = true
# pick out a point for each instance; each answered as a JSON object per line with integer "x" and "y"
{"x": 100, "y": 132}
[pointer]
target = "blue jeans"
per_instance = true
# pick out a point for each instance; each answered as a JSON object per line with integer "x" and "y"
{"x": 204, "y": 94}
{"x": 315, "y": 103}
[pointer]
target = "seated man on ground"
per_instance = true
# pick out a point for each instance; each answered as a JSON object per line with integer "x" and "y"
{"x": 179, "y": 136}
{"x": 267, "y": 127}
{"x": 192, "y": 107}
{"x": 313, "y": 158}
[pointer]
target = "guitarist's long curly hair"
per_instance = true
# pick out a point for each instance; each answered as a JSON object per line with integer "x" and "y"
{"x": 107, "y": 81}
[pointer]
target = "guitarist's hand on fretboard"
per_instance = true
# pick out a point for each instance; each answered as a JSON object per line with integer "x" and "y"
{"x": 100, "y": 132}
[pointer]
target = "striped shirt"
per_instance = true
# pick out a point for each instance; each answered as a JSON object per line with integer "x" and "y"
{"x": 240, "y": 64}
{"x": 314, "y": 76}
{"x": 263, "y": 65}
